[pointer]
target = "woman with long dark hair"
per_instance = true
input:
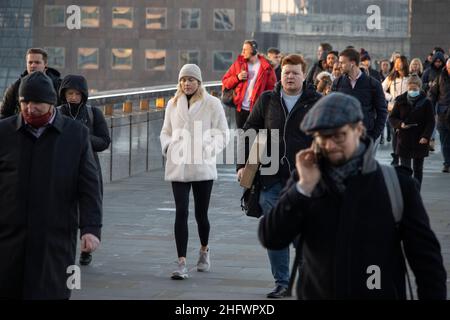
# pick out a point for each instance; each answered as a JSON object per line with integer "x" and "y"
{"x": 393, "y": 86}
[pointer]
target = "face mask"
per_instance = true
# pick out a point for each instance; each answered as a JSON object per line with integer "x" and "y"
{"x": 37, "y": 122}
{"x": 413, "y": 93}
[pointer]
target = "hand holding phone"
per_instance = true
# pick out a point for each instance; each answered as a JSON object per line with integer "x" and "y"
{"x": 307, "y": 164}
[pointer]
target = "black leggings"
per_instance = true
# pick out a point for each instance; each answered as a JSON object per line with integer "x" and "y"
{"x": 202, "y": 194}
{"x": 417, "y": 167}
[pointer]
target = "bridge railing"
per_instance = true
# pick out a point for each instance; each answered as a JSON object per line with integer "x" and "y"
{"x": 135, "y": 118}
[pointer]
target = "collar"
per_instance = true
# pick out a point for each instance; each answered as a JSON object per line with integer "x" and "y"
{"x": 56, "y": 121}
{"x": 360, "y": 73}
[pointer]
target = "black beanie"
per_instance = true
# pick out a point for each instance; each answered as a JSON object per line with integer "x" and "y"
{"x": 37, "y": 87}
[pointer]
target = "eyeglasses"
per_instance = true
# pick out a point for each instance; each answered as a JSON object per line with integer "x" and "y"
{"x": 338, "y": 138}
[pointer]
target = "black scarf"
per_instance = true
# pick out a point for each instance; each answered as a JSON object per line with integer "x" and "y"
{"x": 339, "y": 174}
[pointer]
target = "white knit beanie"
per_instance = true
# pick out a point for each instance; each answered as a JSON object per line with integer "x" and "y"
{"x": 190, "y": 70}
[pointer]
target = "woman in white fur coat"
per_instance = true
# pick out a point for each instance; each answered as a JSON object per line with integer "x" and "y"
{"x": 195, "y": 130}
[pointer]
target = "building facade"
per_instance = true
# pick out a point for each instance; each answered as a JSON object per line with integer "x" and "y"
{"x": 134, "y": 43}
{"x": 15, "y": 37}
{"x": 301, "y": 25}
{"x": 430, "y": 25}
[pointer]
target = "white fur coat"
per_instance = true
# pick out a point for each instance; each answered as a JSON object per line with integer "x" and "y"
{"x": 192, "y": 137}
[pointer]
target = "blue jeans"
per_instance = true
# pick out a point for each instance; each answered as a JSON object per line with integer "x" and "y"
{"x": 444, "y": 136}
{"x": 279, "y": 259}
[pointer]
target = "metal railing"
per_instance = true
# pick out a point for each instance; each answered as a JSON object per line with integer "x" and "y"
{"x": 116, "y": 102}
{"x": 134, "y": 118}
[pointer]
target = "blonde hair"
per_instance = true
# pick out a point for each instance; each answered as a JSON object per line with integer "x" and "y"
{"x": 419, "y": 62}
{"x": 198, "y": 95}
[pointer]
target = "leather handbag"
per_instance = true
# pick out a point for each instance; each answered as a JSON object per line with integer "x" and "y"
{"x": 227, "y": 97}
{"x": 250, "y": 199}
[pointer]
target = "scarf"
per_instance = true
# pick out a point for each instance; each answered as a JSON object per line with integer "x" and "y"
{"x": 339, "y": 174}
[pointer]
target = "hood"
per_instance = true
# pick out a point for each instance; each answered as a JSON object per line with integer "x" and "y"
{"x": 74, "y": 82}
{"x": 438, "y": 56}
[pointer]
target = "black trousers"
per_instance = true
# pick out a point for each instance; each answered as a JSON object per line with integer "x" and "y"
{"x": 417, "y": 166}
{"x": 202, "y": 194}
{"x": 241, "y": 117}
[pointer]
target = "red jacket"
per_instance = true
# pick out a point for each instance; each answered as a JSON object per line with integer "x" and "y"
{"x": 265, "y": 80}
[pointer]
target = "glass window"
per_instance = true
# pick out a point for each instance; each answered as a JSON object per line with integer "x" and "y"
{"x": 156, "y": 18}
{"x": 87, "y": 58}
{"x": 222, "y": 60}
{"x": 190, "y": 18}
{"x": 56, "y": 57}
{"x": 122, "y": 59}
{"x": 223, "y": 19}
{"x": 55, "y": 16}
{"x": 155, "y": 60}
{"x": 90, "y": 17}
{"x": 122, "y": 17}
{"x": 189, "y": 56}
{"x": 26, "y": 20}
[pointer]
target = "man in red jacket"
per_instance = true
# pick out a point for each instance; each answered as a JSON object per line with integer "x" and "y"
{"x": 250, "y": 75}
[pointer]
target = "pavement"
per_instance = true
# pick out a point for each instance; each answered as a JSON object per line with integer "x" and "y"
{"x": 138, "y": 252}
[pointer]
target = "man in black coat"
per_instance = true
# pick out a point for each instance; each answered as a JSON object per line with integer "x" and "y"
{"x": 36, "y": 59}
{"x": 49, "y": 187}
{"x": 281, "y": 111}
{"x": 366, "y": 89}
{"x": 338, "y": 201}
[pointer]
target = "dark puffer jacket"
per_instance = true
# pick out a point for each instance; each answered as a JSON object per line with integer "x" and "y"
{"x": 98, "y": 128}
{"x": 271, "y": 113}
{"x": 11, "y": 106}
{"x": 419, "y": 112}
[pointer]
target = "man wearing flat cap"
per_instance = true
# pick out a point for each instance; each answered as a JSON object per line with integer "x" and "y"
{"x": 338, "y": 200}
{"x": 49, "y": 187}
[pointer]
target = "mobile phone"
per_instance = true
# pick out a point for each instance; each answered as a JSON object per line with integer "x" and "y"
{"x": 317, "y": 151}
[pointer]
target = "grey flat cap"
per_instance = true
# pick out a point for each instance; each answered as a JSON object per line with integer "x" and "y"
{"x": 332, "y": 111}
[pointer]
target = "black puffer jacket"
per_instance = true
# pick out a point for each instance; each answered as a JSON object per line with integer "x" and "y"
{"x": 345, "y": 234}
{"x": 11, "y": 106}
{"x": 98, "y": 128}
{"x": 419, "y": 112}
{"x": 271, "y": 113}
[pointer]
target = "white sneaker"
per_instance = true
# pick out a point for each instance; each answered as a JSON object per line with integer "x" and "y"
{"x": 181, "y": 273}
{"x": 204, "y": 263}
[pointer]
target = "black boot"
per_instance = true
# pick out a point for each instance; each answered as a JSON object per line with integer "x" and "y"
{"x": 394, "y": 161}
{"x": 85, "y": 258}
